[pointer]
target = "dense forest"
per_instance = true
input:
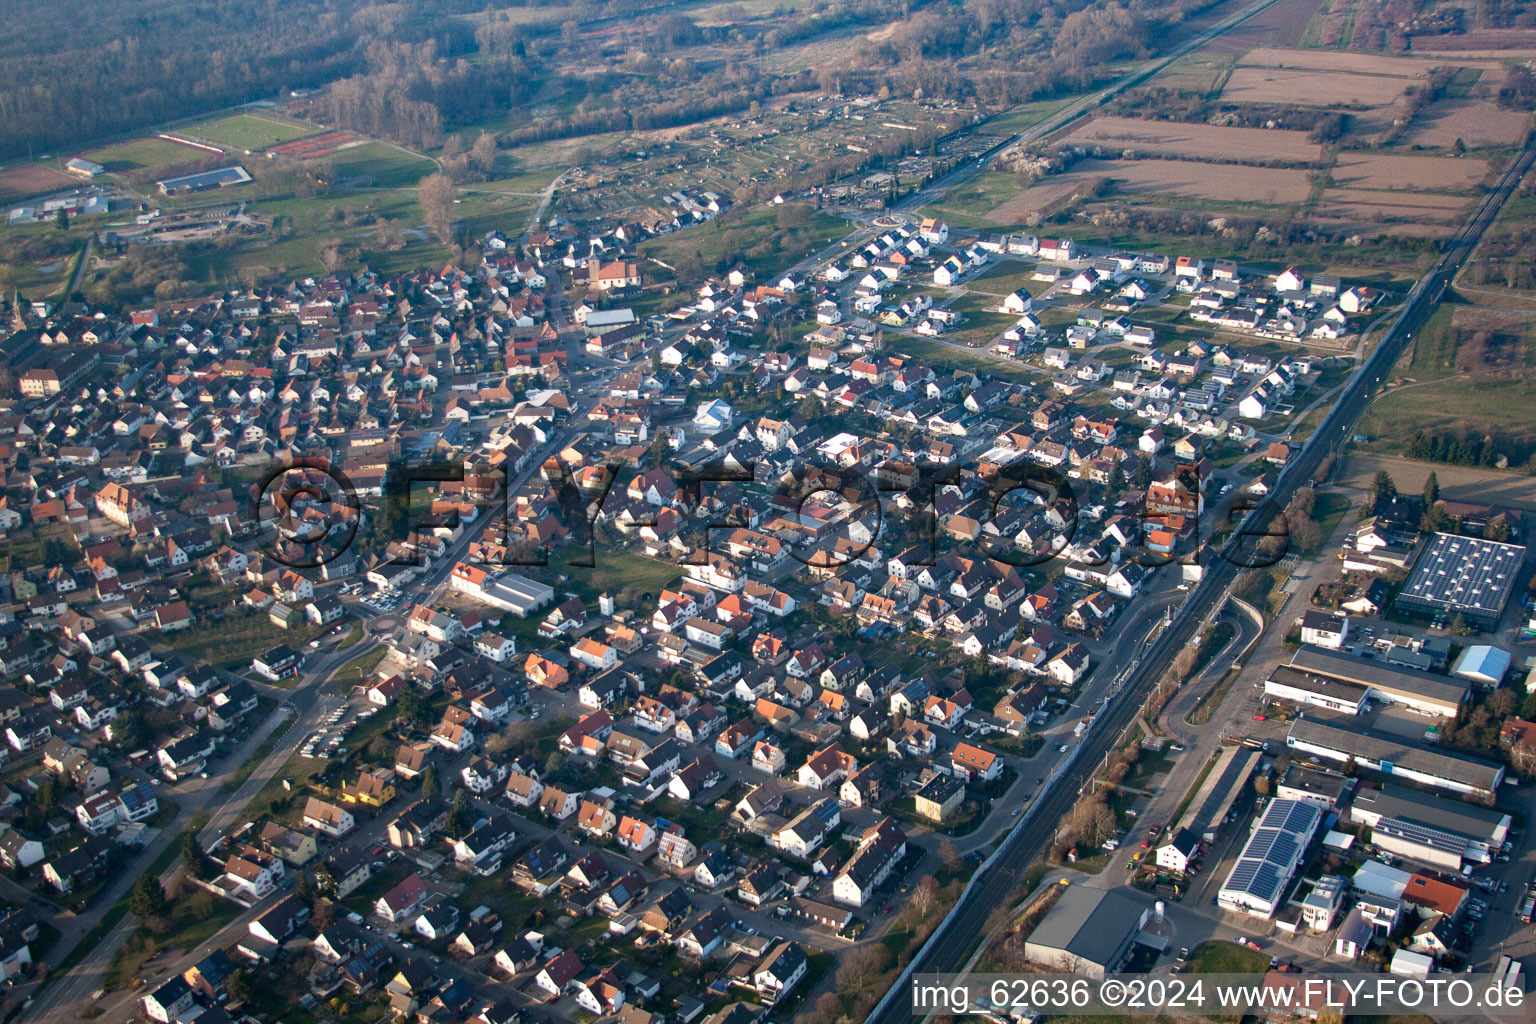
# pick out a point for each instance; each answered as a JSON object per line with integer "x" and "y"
{"x": 79, "y": 70}
{"x": 415, "y": 70}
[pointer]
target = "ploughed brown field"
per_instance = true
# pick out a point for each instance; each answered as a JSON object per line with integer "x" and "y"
{"x": 1481, "y": 39}
{"x": 1368, "y": 206}
{"x": 1375, "y": 171}
{"x": 1217, "y": 182}
{"x": 1475, "y": 122}
{"x": 29, "y": 179}
{"x": 1196, "y": 140}
{"x": 1038, "y": 198}
{"x": 1407, "y": 66}
{"x": 1281, "y": 24}
{"x": 1311, "y": 88}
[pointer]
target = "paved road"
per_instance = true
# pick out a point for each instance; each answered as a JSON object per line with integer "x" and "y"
{"x": 304, "y": 706}
{"x": 300, "y": 712}
{"x": 947, "y": 948}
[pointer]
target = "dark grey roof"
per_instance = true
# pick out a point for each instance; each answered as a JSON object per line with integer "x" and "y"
{"x": 1093, "y": 925}
{"x": 1334, "y": 735}
{"x": 1482, "y": 824}
{"x": 1379, "y": 676}
{"x": 1466, "y": 574}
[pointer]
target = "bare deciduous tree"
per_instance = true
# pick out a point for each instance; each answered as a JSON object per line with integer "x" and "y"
{"x": 925, "y": 898}
{"x": 482, "y": 155}
{"x": 863, "y": 965}
{"x": 332, "y": 256}
{"x": 435, "y": 194}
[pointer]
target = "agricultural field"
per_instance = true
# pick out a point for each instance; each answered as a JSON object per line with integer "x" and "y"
{"x": 1202, "y": 71}
{"x": 249, "y": 131}
{"x": 1172, "y": 138}
{"x": 1229, "y": 183}
{"x": 1282, "y": 24}
{"x": 1394, "y": 172}
{"x": 1517, "y": 42}
{"x": 1348, "y": 63}
{"x": 823, "y": 52}
{"x": 1036, "y": 200}
{"x": 735, "y": 12}
{"x": 1435, "y": 213}
{"x": 1476, "y": 122}
{"x": 31, "y": 179}
{"x": 1313, "y": 88}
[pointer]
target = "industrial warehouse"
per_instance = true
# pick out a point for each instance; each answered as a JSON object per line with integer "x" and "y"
{"x": 1331, "y": 738}
{"x": 1257, "y": 882}
{"x": 1088, "y": 931}
{"x": 1345, "y": 683}
{"x": 1430, "y": 829}
{"x": 1465, "y": 576}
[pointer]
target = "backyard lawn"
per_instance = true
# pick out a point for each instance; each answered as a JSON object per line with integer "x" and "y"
{"x": 1005, "y": 278}
{"x": 239, "y": 637}
{"x": 632, "y": 579}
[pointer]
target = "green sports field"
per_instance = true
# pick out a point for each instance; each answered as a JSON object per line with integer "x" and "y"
{"x": 248, "y": 131}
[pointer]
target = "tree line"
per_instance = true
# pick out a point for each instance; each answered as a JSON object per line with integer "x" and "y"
{"x": 138, "y": 65}
{"x": 1463, "y": 450}
{"x": 403, "y": 71}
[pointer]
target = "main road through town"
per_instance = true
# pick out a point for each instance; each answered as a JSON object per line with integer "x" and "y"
{"x": 952, "y": 941}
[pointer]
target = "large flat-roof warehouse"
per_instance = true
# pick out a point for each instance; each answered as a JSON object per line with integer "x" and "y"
{"x": 1465, "y": 576}
{"x": 1334, "y": 739}
{"x": 1089, "y": 931}
{"x": 1286, "y": 683}
{"x": 1430, "y": 829}
{"x": 1258, "y": 879}
{"x": 1317, "y": 672}
{"x": 223, "y": 176}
